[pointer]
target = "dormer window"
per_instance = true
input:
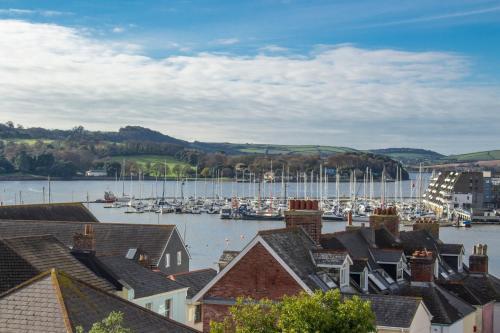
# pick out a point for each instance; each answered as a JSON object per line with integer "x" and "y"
{"x": 344, "y": 275}
{"x": 399, "y": 271}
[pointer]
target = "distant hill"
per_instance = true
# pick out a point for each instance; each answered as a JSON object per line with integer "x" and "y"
{"x": 410, "y": 155}
{"x": 165, "y": 144}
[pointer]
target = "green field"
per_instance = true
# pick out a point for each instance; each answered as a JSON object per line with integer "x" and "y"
{"x": 478, "y": 156}
{"x": 145, "y": 161}
{"x": 28, "y": 142}
{"x": 288, "y": 149}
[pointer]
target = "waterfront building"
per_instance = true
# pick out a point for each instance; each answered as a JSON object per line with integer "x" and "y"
{"x": 450, "y": 192}
{"x": 96, "y": 173}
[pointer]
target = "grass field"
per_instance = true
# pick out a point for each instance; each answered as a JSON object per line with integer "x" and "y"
{"x": 148, "y": 160}
{"x": 28, "y": 142}
{"x": 478, "y": 156}
{"x": 290, "y": 149}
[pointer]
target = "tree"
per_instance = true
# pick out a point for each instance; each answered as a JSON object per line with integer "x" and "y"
{"x": 111, "y": 324}
{"x": 5, "y": 166}
{"x": 316, "y": 313}
{"x": 177, "y": 170}
{"x": 205, "y": 172}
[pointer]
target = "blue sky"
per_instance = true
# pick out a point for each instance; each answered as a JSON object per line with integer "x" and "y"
{"x": 396, "y": 73}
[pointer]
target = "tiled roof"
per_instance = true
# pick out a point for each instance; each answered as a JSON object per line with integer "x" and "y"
{"x": 358, "y": 265}
{"x": 56, "y": 302}
{"x": 48, "y": 212}
{"x": 28, "y": 256}
{"x": 393, "y": 311}
{"x": 292, "y": 245}
{"x": 418, "y": 240}
{"x": 195, "y": 280}
{"x": 455, "y": 249}
{"x": 485, "y": 287}
{"x": 111, "y": 238}
{"x": 445, "y": 308}
{"x": 387, "y": 255}
{"x": 328, "y": 257}
{"x": 144, "y": 281}
{"x": 227, "y": 256}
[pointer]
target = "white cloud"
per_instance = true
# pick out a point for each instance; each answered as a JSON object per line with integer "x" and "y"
{"x": 273, "y": 48}
{"x": 227, "y": 41}
{"x": 24, "y": 12}
{"x": 118, "y": 30}
{"x": 336, "y": 95}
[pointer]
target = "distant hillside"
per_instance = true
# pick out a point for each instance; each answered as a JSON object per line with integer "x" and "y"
{"x": 473, "y": 157}
{"x": 269, "y": 149}
{"x": 128, "y": 133}
{"x": 410, "y": 155}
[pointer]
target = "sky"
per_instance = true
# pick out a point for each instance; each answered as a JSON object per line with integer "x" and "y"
{"x": 362, "y": 74}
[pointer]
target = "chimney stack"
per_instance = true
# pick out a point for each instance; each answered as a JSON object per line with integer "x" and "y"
{"x": 85, "y": 242}
{"x": 144, "y": 261}
{"x": 387, "y": 217}
{"x": 305, "y": 214}
{"x": 422, "y": 266}
{"x": 478, "y": 261}
{"x": 432, "y": 226}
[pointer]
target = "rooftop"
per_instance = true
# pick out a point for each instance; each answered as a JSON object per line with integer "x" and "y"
{"x": 73, "y": 211}
{"x": 56, "y": 302}
{"x": 22, "y": 258}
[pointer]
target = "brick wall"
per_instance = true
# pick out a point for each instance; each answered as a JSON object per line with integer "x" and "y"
{"x": 309, "y": 220}
{"x": 257, "y": 275}
{"x": 391, "y": 222}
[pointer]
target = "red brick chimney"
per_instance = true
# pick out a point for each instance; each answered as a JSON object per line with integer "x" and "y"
{"x": 422, "y": 266}
{"x": 85, "y": 242}
{"x": 478, "y": 261}
{"x": 432, "y": 226}
{"x": 387, "y": 217}
{"x": 305, "y": 214}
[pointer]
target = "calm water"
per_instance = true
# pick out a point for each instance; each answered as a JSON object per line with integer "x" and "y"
{"x": 207, "y": 235}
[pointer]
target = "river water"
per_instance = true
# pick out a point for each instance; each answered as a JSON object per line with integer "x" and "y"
{"x": 207, "y": 235}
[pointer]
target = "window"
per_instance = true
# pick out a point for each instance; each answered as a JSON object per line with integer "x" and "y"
{"x": 179, "y": 258}
{"x": 400, "y": 271}
{"x": 168, "y": 308}
{"x": 197, "y": 313}
{"x": 167, "y": 260}
{"x": 148, "y": 306}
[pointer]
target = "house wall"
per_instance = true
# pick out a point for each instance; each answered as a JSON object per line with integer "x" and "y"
{"x": 174, "y": 245}
{"x": 496, "y": 318}
{"x": 256, "y": 275}
{"x": 422, "y": 321}
{"x": 178, "y": 298}
{"x": 487, "y": 318}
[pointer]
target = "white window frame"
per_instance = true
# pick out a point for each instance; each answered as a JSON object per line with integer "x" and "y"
{"x": 149, "y": 306}
{"x": 167, "y": 260}
{"x": 179, "y": 258}
{"x": 168, "y": 309}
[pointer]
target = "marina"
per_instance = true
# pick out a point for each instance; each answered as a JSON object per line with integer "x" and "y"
{"x": 205, "y": 232}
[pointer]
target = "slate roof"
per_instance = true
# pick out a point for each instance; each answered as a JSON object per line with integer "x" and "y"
{"x": 292, "y": 245}
{"x": 358, "y": 265}
{"x": 445, "y": 308}
{"x": 73, "y": 211}
{"x": 227, "y": 256}
{"x": 418, "y": 240}
{"x": 55, "y": 302}
{"x": 195, "y": 280}
{"x": 485, "y": 287}
{"x": 328, "y": 257}
{"x": 387, "y": 255}
{"x": 455, "y": 249}
{"x": 112, "y": 239}
{"x": 22, "y": 258}
{"x": 145, "y": 282}
{"x": 393, "y": 311}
